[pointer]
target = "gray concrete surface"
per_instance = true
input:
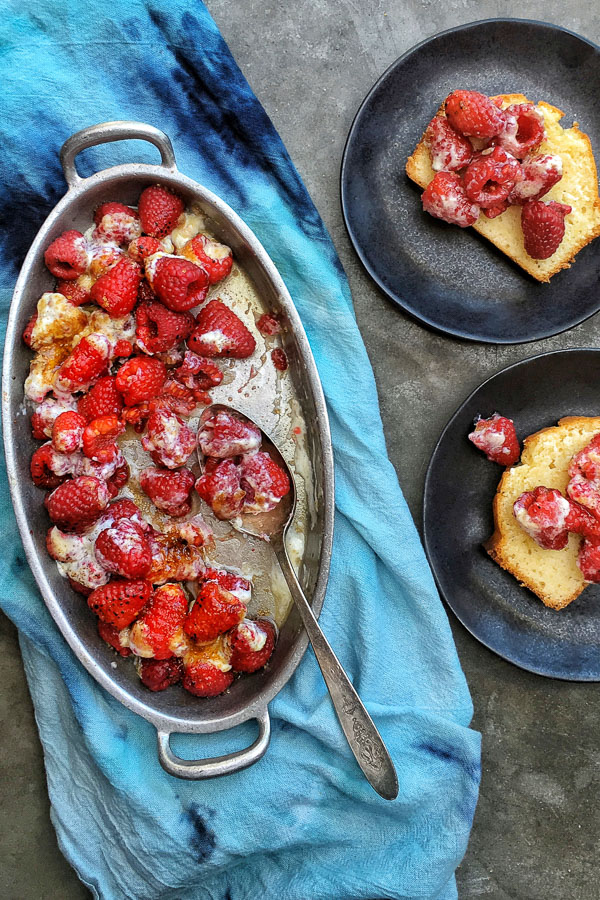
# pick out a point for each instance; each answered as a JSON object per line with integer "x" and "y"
{"x": 536, "y": 828}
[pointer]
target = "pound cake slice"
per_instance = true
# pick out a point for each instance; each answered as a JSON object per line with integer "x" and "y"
{"x": 578, "y": 188}
{"x": 551, "y": 574}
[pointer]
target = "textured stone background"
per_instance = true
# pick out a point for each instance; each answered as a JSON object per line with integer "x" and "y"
{"x": 536, "y": 828}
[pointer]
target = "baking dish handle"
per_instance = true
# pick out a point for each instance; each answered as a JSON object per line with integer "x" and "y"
{"x": 197, "y": 769}
{"x": 107, "y": 132}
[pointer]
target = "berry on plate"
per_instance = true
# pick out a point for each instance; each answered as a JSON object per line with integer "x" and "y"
{"x": 116, "y": 222}
{"x": 445, "y": 198}
{"x": 140, "y": 379}
{"x": 159, "y": 209}
{"x": 222, "y": 434}
{"x": 116, "y": 291}
{"x": 449, "y": 149}
{"x": 220, "y": 332}
{"x": 497, "y": 438}
{"x": 87, "y": 361}
{"x": 543, "y": 227}
{"x": 220, "y": 487}
{"x": 119, "y": 603}
{"x": 214, "y": 612}
{"x": 66, "y": 257}
{"x": 252, "y": 643}
{"x": 540, "y": 174}
{"x": 168, "y": 439}
{"x": 76, "y": 504}
{"x": 103, "y": 399}
{"x": 473, "y": 114}
{"x": 159, "y": 674}
{"x": 169, "y": 490}
{"x": 523, "y": 129}
{"x": 123, "y": 548}
{"x": 100, "y": 438}
{"x": 179, "y": 283}
{"x": 158, "y": 632}
{"x": 263, "y": 481}
{"x": 159, "y": 329}
{"x": 67, "y": 432}
{"x": 113, "y": 636}
{"x": 490, "y": 178}
{"x": 215, "y": 258}
{"x": 207, "y": 670}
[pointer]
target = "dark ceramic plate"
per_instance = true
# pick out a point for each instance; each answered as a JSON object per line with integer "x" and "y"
{"x": 452, "y": 279}
{"x": 459, "y": 490}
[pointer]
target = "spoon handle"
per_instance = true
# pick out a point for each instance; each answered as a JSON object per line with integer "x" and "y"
{"x": 362, "y": 735}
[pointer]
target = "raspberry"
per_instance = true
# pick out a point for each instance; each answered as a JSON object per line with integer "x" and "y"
{"x": 542, "y": 513}
{"x": 46, "y": 413}
{"x": 103, "y": 256}
{"x": 523, "y": 129}
{"x": 123, "y": 548}
{"x": 123, "y": 509}
{"x": 264, "y": 482}
{"x": 174, "y": 559}
{"x": 588, "y": 560}
{"x": 235, "y": 584}
{"x": 116, "y": 291}
{"x": 67, "y": 432}
{"x": 220, "y": 332}
{"x": 159, "y": 210}
{"x": 140, "y": 379}
{"x": 223, "y": 434}
{"x": 76, "y": 504}
{"x": 29, "y": 329}
{"x": 543, "y": 227}
{"x": 206, "y": 670}
{"x": 213, "y": 257}
{"x": 41, "y": 470}
{"x": 99, "y": 438}
{"x": 474, "y": 114}
{"x": 142, "y": 247}
{"x": 158, "y": 631}
{"x": 116, "y": 222}
{"x": 252, "y": 644}
{"x": 176, "y": 397}
{"x": 268, "y": 325}
{"x": 540, "y": 174}
{"x": 198, "y": 373}
{"x": 214, "y": 612}
{"x": 159, "y": 329}
{"x": 496, "y": 210}
{"x": 75, "y": 292}
{"x": 37, "y": 427}
{"x": 87, "y": 361}
{"x": 66, "y": 257}
{"x": 279, "y": 359}
{"x": 112, "y": 636}
{"x": 584, "y": 477}
{"x": 219, "y": 486}
{"x": 448, "y": 149}
{"x": 118, "y": 480}
{"x": 168, "y": 439}
{"x": 120, "y": 602}
{"x": 445, "y": 198}
{"x": 159, "y": 674}
{"x": 103, "y": 399}
{"x": 168, "y": 490}
{"x": 491, "y": 177}
{"x": 195, "y": 532}
{"x": 179, "y": 283}
{"x": 497, "y": 438}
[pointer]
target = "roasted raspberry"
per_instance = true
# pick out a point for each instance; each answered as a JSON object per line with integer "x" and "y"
{"x": 220, "y": 487}
{"x": 473, "y": 114}
{"x": 100, "y": 438}
{"x": 123, "y": 549}
{"x": 588, "y": 560}
{"x": 102, "y": 257}
{"x": 116, "y": 222}
{"x": 47, "y": 412}
{"x": 213, "y": 257}
{"x": 235, "y": 584}
{"x": 158, "y": 632}
{"x": 497, "y": 438}
{"x": 490, "y": 178}
{"x": 206, "y": 670}
{"x": 279, "y": 359}
{"x": 168, "y": 439}
{"x": 176, "y": 397}
{"x": 67, "y": 432}
{"x": 584, "y": 477}
{"x": 159, "y": 210}
{"x": 103, "y": 399}
{"x": 195, "y": 532}
{"x": 252, "y": 644}
{"x": 540, "y": 174}
{"x": 445, "y": 198}
{"x": 543, "y": 513}
{"x": 448, "y": 149}
{"x": 120, "y": 602}
{"x": 496, "y": 210}
{"x": 543, "y": 227}
{"x": 159, "y": 674}
{"x": 42, "y": 474}
{"x": 179, "y": 283}
{"x": 29, "y": 329}
{"x": 159, "y": 329}
{"x": 124, "y": 509}
{"x": 116, "y": 291}
{"x": 140, "y": 379}
{"x": 112, "y": 636}
{"x": 76, "y": 292}
{"x": 224, "y": 434}
{"x": 76, "y": 504}
{"x": 142, "y": 247}
{"x": 198, "y": 373}
{"x": 523, "y": 129}
{"x": 38, "y": 428}
{"x": 268, "y": 325}
{"x": 220, "y": 332}
{"x": 88, "y": 360}
{"x": 169, "y": 490}
{"x": 264, "y": 482}
{"x": 66, "y": 257}
{"x": 214, "y": 612}
{"x": 174, "y": 559}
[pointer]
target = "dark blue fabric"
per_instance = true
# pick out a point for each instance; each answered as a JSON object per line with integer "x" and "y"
{"x": 302, "y": 824}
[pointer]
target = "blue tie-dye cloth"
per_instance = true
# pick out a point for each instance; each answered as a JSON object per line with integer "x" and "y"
{"x": 302, "y": 824}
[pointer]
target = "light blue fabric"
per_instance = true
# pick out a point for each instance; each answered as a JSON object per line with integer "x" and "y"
{"x": 302, "y": 824}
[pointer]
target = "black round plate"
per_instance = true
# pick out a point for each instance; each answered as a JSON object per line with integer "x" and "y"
{"x": 459, "y": 491}
{"x": 450, "y": 278}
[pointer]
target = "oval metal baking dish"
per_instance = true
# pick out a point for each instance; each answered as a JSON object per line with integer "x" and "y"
{"x": 173, "y": 710}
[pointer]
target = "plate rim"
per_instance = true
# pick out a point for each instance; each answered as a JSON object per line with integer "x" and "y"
{"x": 428, "y": 552}
{"x": 457, "y": 333}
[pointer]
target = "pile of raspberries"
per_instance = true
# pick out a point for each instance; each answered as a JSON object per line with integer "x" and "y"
{"x": 485, "y": 160}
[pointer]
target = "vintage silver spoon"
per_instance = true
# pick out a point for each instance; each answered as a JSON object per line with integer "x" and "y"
{"x": 362, "y": 735}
